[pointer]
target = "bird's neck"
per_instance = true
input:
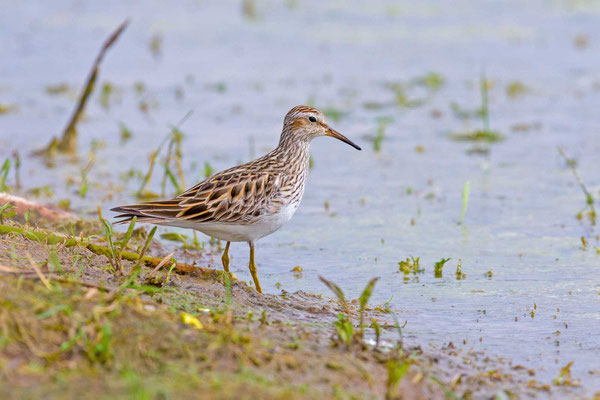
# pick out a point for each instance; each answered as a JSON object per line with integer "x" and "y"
{"x": 294, "y": 152}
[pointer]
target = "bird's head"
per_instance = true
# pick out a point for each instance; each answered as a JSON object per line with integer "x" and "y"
{"x": 304, "y": 123}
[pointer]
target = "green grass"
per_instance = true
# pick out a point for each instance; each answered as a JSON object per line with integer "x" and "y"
{"x": 68, "y": 343}
{"x": 344, "y": 327}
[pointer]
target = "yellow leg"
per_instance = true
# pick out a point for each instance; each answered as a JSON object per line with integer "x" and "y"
{"x": 252, "y": 267}
{"x": 225, "y": 258}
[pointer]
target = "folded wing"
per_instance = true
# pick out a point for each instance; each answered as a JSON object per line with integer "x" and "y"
{"x": 232, "y": 196}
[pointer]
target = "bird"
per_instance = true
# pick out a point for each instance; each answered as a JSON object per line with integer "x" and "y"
{"x": 249, "y": 201}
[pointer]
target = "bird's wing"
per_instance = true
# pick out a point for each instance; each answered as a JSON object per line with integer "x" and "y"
{"x": 236, "y": 195}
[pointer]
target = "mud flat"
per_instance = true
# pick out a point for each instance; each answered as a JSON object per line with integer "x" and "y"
{"x": 71, "y": 326}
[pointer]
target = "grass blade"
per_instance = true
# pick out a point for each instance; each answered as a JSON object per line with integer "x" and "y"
{"x": 337, "y": 291}
{"x": 128, "y": 233}
{"x": 363, "y": 300}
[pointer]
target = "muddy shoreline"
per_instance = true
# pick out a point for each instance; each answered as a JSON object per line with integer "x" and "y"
{"x": 71, "y": 324}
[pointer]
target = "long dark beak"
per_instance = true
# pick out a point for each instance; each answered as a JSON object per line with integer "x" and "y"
{"x": 333, "y": 133}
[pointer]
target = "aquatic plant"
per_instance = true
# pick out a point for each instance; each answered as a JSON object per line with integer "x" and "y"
{"x": 142, "y": 192}
{"x": 106, "y": 93}
{"x": 459, "y": 274}
{"x": 68, "y": 142}
{"x": 40, "y": 191}
{"x": 7, "y": 108}
{"x": 125, "y": 133}
{"x": 462, "y": 113}
{"x": 155, "y": 45}
{"x": 17, "y": 159}
{"x": 175, "y": 237}
{"x": 437, "y": 268}
{"x": 334, "y": 114}
{"x": 485, "y": 112}
{"x": 83, "y": 189}
{"x": 297, "y": 272}
{"x": 410, "y": 265}
{"x": 382, "y": 124}
{"x": 84, "y": 183}
{"x": 174, "y": 155}
{"x": 589, "y": 198}
{"x": 402, "y": 98}
{"x": 465, "y": 201}
{"x": 385, "y": 307}
{"x": 208, "y": 169}
{"x": 485, "y": 134}
{"x": 516, "y": 89}
{"x": 477, "y": 136}
{"x": 249, "y": 9}
{"x": 58, "y": 89}
{"x": 433, "y": 81}
{"x": 564, "y": 377}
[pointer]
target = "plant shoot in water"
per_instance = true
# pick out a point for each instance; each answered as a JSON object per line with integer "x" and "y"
{"x": 481, "y": 135}
{"x": 465, "y": 201}
{"x": 410, "y": 265}
{"x": 438, "y": 267}
{"x": 589, "y": 199}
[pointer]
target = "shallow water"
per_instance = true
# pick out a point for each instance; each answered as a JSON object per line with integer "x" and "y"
{"x": 240, "y": 74}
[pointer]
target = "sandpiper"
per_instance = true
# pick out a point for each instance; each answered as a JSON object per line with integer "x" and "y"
{"x": 250, "y": 201}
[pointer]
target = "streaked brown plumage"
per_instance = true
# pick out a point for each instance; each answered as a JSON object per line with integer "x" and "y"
{"x": 250, "y": 201}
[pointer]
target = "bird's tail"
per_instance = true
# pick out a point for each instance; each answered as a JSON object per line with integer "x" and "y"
{"x": 155, "y": 212}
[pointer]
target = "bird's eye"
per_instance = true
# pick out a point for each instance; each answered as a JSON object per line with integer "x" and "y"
{"x": 312, "y": 119}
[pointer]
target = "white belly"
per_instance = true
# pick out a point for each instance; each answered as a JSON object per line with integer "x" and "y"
{"x": 232, "y": 232}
